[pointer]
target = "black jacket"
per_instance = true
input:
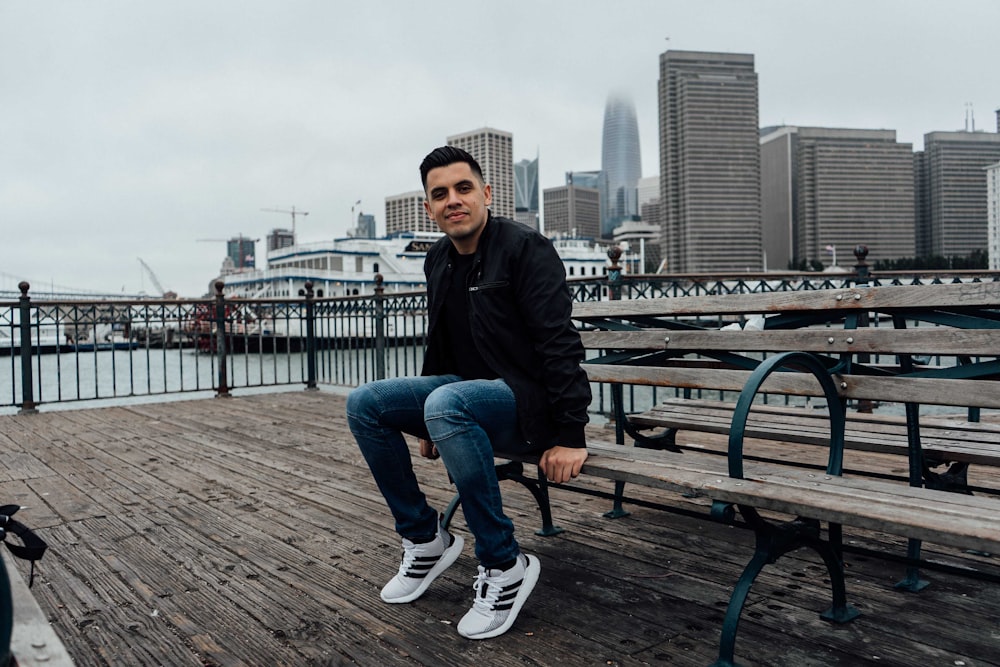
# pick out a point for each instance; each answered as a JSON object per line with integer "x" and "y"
{"x": 520, "y": 308}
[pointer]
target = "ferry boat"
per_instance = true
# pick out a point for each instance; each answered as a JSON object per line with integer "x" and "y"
{"x": 347, "y": 266}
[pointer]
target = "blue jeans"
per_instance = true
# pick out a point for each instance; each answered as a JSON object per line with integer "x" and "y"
{"x": 465, "y": 419}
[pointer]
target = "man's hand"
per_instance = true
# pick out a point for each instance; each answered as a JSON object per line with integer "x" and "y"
{"x": 560, "y": 464}
{"x": 427, "y": 449}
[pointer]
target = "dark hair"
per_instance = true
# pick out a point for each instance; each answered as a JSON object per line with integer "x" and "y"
{"x": 445, "y": 155}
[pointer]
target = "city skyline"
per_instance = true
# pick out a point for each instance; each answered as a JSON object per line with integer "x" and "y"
{"x": 130, "y": 131}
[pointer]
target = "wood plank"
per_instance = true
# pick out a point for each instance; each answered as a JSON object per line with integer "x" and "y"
{"x": 828, "y": 340}
{"x": 221, "y": 490}
{"x": 812, "y": 427}
{"x": 938, "y": 516}
{"x": 927, "y": 391}
{"x": 889, "y": 298}
{"x": 33, "y": 642}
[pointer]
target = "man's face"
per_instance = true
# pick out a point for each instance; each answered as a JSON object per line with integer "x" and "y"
{"x": 457, "y": 202}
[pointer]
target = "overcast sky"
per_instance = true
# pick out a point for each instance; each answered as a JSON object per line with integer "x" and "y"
{"x": 133, "y": 129}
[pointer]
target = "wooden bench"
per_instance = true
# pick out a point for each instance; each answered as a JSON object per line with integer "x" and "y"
{"x": 33, "y": 641}
{"x": 811, "y": 345}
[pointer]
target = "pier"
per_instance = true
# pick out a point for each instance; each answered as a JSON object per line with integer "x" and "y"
{"x": 247, "y": 531}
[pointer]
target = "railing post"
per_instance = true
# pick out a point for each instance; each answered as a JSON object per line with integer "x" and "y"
{"x": 222, "y": 391}
{"x": 861, "y": 277}
{"x": 379, "y": 327}
{"x": 310, "y": 337}
{"x": 27, "y": 382}
{"x": 614, "y": 274}
{"x": 617, "y": 389}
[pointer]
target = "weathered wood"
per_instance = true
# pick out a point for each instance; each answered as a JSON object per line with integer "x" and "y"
{"x": 929, "y": 391}
{"x": 221, "y": 495}
{"x": 826, "y": 340}
{"x": 33, "y": 642}
{"x": 970, "y": 442}
{"x": 896, "y": 297}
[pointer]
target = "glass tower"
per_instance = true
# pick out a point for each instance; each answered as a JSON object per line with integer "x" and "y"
{"x": 621, "y": 164}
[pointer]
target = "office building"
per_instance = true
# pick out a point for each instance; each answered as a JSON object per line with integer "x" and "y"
{"x": 647, "y": 190}
{"x": 280, "y": 238}
{"x": 242, "y": 251}
{"x": 830, "y": 189}
{"x": 405, "y": 213}
{"x": 951, "y": 196}
{"x": 710, "y": 162}
{"x": 651, "y": 212}
{"x": 366, "y": 226}
{"x": 993, "y": 215}
{"x": 494, "y": 151}
{"x": 621, "y": 164}
{"x": 526, "y": 192}
{"x": 572, "y": 211}
{"x": 584, "y": 179}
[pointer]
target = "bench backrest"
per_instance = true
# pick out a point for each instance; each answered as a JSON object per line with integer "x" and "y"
{"x": 874, "y": 340}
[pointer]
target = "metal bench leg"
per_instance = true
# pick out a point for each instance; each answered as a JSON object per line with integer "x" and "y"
{"x": 731, "y": 623}
{"x": 772, "y": 542}
{"x": 514, "y": 470}
{"x": 832, "y": 555}
{"x": 617, "y": 511}
{"x": 911, "y": 580}
{"x": 539, "y": 488}
{"x": 449, "y": 512}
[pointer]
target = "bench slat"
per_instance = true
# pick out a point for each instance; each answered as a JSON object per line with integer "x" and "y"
{"x": 895, "y": 297}
{"x": 811, "y": 427}
{"x": 945, "y": 518}
{"x": 927, "y": 340}
{"x": 930, "y": 391}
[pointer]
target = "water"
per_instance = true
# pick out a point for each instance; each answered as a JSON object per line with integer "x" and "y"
{"x": 120, "y": 376}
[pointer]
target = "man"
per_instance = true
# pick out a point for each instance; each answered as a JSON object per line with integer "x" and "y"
{"x": 501, "y": 370}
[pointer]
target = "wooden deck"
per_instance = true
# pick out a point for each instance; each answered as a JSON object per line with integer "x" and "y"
{"x": 247, "y": 531}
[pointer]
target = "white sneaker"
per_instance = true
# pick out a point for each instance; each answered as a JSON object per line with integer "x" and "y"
{"x": 500, "y": 594}
{"x": 421, "y": 565}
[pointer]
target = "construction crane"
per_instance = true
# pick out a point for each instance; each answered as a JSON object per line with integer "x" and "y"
{"x": 152, "y": 278}
{"x": 293, "y": 213}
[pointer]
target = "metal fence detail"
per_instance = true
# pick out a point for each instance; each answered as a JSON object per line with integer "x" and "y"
{"x": 60, "y": 351}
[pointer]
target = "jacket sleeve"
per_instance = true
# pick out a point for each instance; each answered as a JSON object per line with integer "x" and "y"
{"x": 546, "y": 307}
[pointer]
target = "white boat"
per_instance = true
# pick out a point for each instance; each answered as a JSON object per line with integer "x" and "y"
{"x": 347, "y": 267}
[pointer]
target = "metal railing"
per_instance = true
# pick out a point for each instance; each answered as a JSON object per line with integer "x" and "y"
{"x": 80, "y": 351}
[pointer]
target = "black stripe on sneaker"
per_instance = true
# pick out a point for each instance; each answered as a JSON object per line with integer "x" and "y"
{"x": 421, "y": 566}
{"x": 507, "y": 596}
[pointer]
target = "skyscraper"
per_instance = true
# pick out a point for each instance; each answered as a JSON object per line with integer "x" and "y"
{"x": 243, "y": 252}
{"x": 494, "y": 151}
{"x": 571, "y": 210}
{"x": 405, "y": 213}
{"x": 829, "y": 188}
{"x": 952, "y": 210}
{"x": 621, "y": 164}
{"x": 280, "y": 238}
{"x": 366, "y": 226}
{"x": 710, "y": 161}
{"x": 526, "y": 192}
{"x": 993, "y": 205}
{"x": 584, "y": 179}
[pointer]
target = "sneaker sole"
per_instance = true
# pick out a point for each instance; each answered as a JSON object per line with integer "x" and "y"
{"x": 527, "y": 585}
{"x": 448, "y": 556}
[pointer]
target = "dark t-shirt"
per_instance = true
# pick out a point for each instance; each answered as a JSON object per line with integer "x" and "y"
{"x": 465, "y": 358}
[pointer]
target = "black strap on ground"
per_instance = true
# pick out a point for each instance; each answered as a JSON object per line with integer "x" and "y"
{"x": 31, "y": 547}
